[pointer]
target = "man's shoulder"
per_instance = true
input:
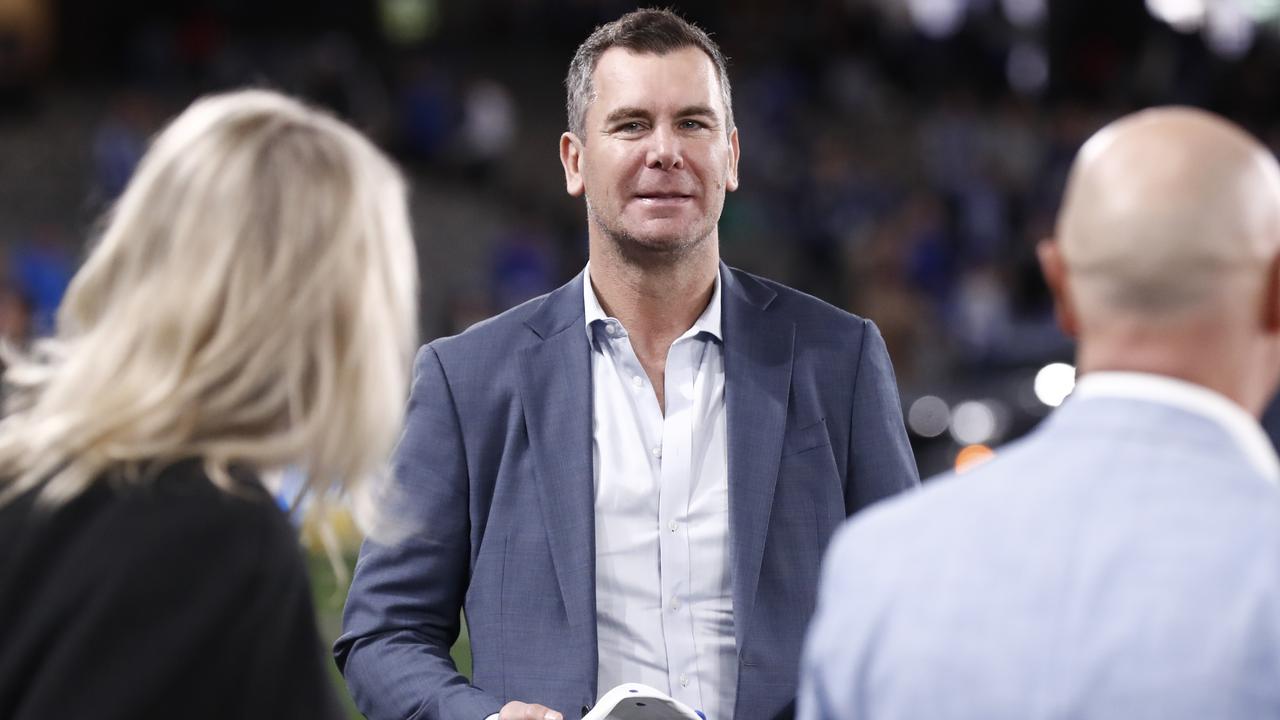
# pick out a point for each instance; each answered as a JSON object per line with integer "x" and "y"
{"x": 916, "y": 513}
{"x": 957, "y": 512}
{"x": 516, "y": 327}
{"x": 1056, "y": 479}
{"x": 501, "y": 328}
{"x": 799, "y": 305}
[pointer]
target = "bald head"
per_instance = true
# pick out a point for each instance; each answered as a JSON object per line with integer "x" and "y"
{"x": 1165, "y": 210}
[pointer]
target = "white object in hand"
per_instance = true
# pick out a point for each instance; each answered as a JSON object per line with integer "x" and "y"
{"x": 633, "y": 701}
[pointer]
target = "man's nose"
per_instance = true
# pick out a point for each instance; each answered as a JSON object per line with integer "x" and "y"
{"x": 664, "y": 151}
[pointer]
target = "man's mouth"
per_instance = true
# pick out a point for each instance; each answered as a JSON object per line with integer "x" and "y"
{"x": 663, "y": 197}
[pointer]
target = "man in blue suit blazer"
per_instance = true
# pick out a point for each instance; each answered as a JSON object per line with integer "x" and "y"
{"x": 497, "y": 472}
{"x": 1123, "y": 561}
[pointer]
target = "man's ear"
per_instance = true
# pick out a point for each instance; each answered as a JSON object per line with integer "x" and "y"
{"x": 1271, "y": 297}
{"x": 731, "y": 180}
{"x": 1055, "y": 276}
{"x": 571, "y": 159}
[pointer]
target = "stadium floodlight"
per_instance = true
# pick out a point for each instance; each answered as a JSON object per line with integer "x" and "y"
{"x": 938, "y": 18}
{"x": 1229, "y": 29}
{"x": 1184, "y": 15}
{"x": 1054, "y": 383}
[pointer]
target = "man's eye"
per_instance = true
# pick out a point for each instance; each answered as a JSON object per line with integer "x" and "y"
{"x": 630, "y": 127}
{"x": 692, "y": 125}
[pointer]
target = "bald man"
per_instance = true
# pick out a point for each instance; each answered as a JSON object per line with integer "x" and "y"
{"x": 1123, "y": 560}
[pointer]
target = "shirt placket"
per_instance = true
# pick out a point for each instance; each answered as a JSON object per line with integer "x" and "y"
{"x": 673, "y": 516}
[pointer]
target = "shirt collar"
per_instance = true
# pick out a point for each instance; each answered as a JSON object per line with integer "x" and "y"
{"x": 590, "y": 303}
{"x": 708, "y": 322}
{"x": 1242, "y": 427}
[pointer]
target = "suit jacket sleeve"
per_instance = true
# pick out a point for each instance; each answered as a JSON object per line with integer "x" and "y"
{"x": 402, "y": 613}
{"x": 881, "y": 463}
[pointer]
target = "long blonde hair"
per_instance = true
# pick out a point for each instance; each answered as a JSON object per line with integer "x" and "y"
{"x": 252, "y": 301}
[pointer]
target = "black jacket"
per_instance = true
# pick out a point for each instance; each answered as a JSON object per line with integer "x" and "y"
{"x": 169, "y": 599}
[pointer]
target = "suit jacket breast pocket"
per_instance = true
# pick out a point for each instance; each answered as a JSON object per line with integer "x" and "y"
{"x": 805, "y": 438}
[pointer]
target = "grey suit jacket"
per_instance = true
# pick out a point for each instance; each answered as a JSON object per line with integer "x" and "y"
{"x": 1123, "y": 561}
{"x": 495, "y": 475}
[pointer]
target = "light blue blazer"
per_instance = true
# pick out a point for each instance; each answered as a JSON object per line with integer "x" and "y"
{"x": 495, "y": 475}
{"x": 1123, "y": 561}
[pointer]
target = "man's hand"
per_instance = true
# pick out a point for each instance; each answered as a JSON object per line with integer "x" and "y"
{"x": 524, "y": 711}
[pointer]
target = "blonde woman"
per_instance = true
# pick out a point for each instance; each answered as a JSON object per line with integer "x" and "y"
{"x": 250, "y": 306}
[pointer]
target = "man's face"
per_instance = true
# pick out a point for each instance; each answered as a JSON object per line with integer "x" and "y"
{"x": 656, "y": 160}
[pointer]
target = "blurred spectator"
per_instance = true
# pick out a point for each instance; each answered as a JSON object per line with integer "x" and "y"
{"x": 334, "y": 73}
{"x": 428, "y": 112}
{"x": 488, "y": 124}
{"x": 524, "y": 263}
{"x": 119, "y": 141}
{"x": 43, "y": 267}
{"x": 16, "y": 318}
{"x": 26, "y": 44}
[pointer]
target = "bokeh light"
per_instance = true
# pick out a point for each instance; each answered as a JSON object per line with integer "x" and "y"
{"x": 1054, "y": 383}
{"x": 1025, "y": 13}
{"x": 1182, "y": 15}
{"x": 1027, "y": 68}
{"x": 929, "y": 416}
{"x": 937, "y": 18}
{"x": 973, "y": 422}
{"x": 971, "y": 456}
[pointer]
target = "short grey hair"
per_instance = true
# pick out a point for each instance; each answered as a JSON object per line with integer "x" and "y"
{"x": 651, "y": 31}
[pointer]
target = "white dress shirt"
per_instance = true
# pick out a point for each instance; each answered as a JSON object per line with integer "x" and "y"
{"x": 664, "y": 593}
{"x": 1239, "y": 424}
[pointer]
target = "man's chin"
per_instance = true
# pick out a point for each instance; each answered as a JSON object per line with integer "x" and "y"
{"x": 656, "y": 243}
{"x": 660, "y": 243}
{"x": 656, "y": 249}
{"x": 664, "y": 238}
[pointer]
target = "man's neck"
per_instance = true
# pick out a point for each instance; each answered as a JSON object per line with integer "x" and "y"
{"x": 657, "y": 303}
{"x": 1200, "y": 361}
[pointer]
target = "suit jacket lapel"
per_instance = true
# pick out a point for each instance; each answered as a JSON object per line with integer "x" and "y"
{"x": 758, "y": 348}
{"x": 555, "y": 390}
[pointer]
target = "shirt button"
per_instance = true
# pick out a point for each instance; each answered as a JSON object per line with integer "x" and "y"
{"x": 684, "y": 680}
{"x": 637, "y": 381}
{"x": 672, "y": 526}
{"x": 612, "y": 329}
{"x": 656, "y": 451}
{"x": 675, "y": 603}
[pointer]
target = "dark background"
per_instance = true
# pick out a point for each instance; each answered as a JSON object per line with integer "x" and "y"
{"x": 900, "y": 157}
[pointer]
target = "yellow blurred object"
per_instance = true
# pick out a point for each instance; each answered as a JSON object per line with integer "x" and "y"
{"x": 330, "y": 523}
{"x": 971, "y": 456}
{"x": 328, "y": 528}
